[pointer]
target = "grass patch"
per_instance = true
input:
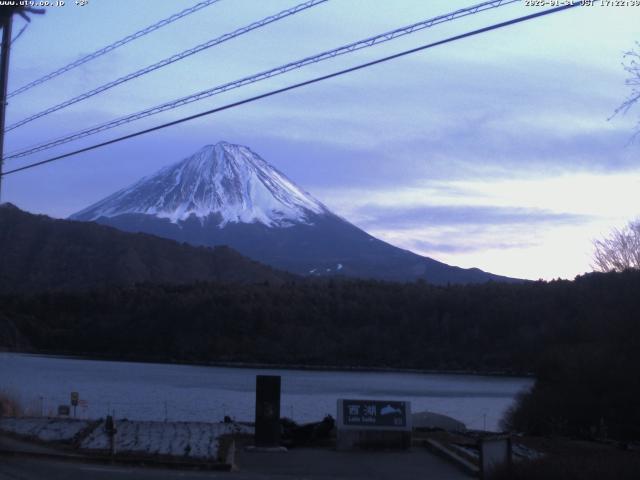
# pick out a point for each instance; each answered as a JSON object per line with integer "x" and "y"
{"x": 10, "y": 406}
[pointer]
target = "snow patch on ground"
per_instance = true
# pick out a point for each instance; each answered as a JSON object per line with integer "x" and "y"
{"x": 194, "y": 440}
{"x": 44, "y": 429}
{"x": 523, "y": 452}
{"x": 182, "y": 439}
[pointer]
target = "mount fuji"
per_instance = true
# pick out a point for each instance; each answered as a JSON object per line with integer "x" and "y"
{"x": 225, "y": 194}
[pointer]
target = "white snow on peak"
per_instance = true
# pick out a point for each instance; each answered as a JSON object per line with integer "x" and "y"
{"x": 224, "y": 179}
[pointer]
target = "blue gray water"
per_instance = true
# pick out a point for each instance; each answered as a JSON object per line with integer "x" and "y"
{"x": 152, "y": 391}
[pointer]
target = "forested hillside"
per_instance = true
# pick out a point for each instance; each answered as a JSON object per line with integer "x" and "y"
{"x": 581, "y": 338}
{"x": 337, "y": 322}
{"x": 42, "y": 253}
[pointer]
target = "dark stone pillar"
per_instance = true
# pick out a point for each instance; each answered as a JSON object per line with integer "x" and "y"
{"x": 267, "y": 410}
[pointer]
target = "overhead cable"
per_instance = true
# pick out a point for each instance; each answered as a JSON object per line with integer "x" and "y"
{"x": 367, "y": 42}
{"x": 169, "y": 60}
{"x": 295, "y": 86}
{"x": 114, "y": 45}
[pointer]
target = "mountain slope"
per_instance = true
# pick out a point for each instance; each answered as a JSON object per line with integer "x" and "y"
{"x": 226, "y": 194}
{"x": 227, "y": 181}
{"x": 40, "y": 253}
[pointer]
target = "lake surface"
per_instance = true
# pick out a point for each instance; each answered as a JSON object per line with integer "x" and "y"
{"x": 152, "y": 391}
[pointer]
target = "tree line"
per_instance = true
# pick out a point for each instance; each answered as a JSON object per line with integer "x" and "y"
{"x": 581, "y": 337}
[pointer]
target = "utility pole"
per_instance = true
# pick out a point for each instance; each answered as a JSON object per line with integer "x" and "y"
{"x": 7, "y": 20}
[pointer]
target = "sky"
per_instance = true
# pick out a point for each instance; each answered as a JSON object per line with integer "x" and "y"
{"x": 498, "y": 151}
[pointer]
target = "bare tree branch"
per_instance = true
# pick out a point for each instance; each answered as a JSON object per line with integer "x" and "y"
{"x": 619, "y": 251}
{"x": 631, "y": 64}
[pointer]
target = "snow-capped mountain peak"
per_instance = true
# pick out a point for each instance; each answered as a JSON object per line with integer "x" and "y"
{"x": 224, "y": 180}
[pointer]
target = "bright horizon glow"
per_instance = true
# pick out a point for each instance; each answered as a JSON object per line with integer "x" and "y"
{"x": 585, "y": 207}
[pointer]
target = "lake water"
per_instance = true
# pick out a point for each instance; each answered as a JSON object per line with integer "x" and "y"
{"x": 151, "y": 391}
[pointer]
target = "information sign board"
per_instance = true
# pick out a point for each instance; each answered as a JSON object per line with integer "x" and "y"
{"x": 373, "y": 424}
{"x": 374, "y": 413}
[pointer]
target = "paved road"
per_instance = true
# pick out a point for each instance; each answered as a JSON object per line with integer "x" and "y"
{"x": 32, "y": 469}
{"x": 325, "y": 464}
{"x": 308, "y": 464}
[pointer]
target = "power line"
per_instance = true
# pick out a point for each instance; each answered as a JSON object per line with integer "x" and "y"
{"x": 114, "y": 45}
{"x": 297, "y": 85}
{"x": 169, "y": 60}
{"x": 24, "y": 27}
{"x": 367, "y": 42}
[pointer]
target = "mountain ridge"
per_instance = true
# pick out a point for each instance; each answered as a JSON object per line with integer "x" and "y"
{"x": 42, "y": 253}
{"x": 226, "y": 194}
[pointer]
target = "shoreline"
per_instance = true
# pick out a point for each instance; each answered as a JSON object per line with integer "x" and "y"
{"x": 274, "y": 366}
